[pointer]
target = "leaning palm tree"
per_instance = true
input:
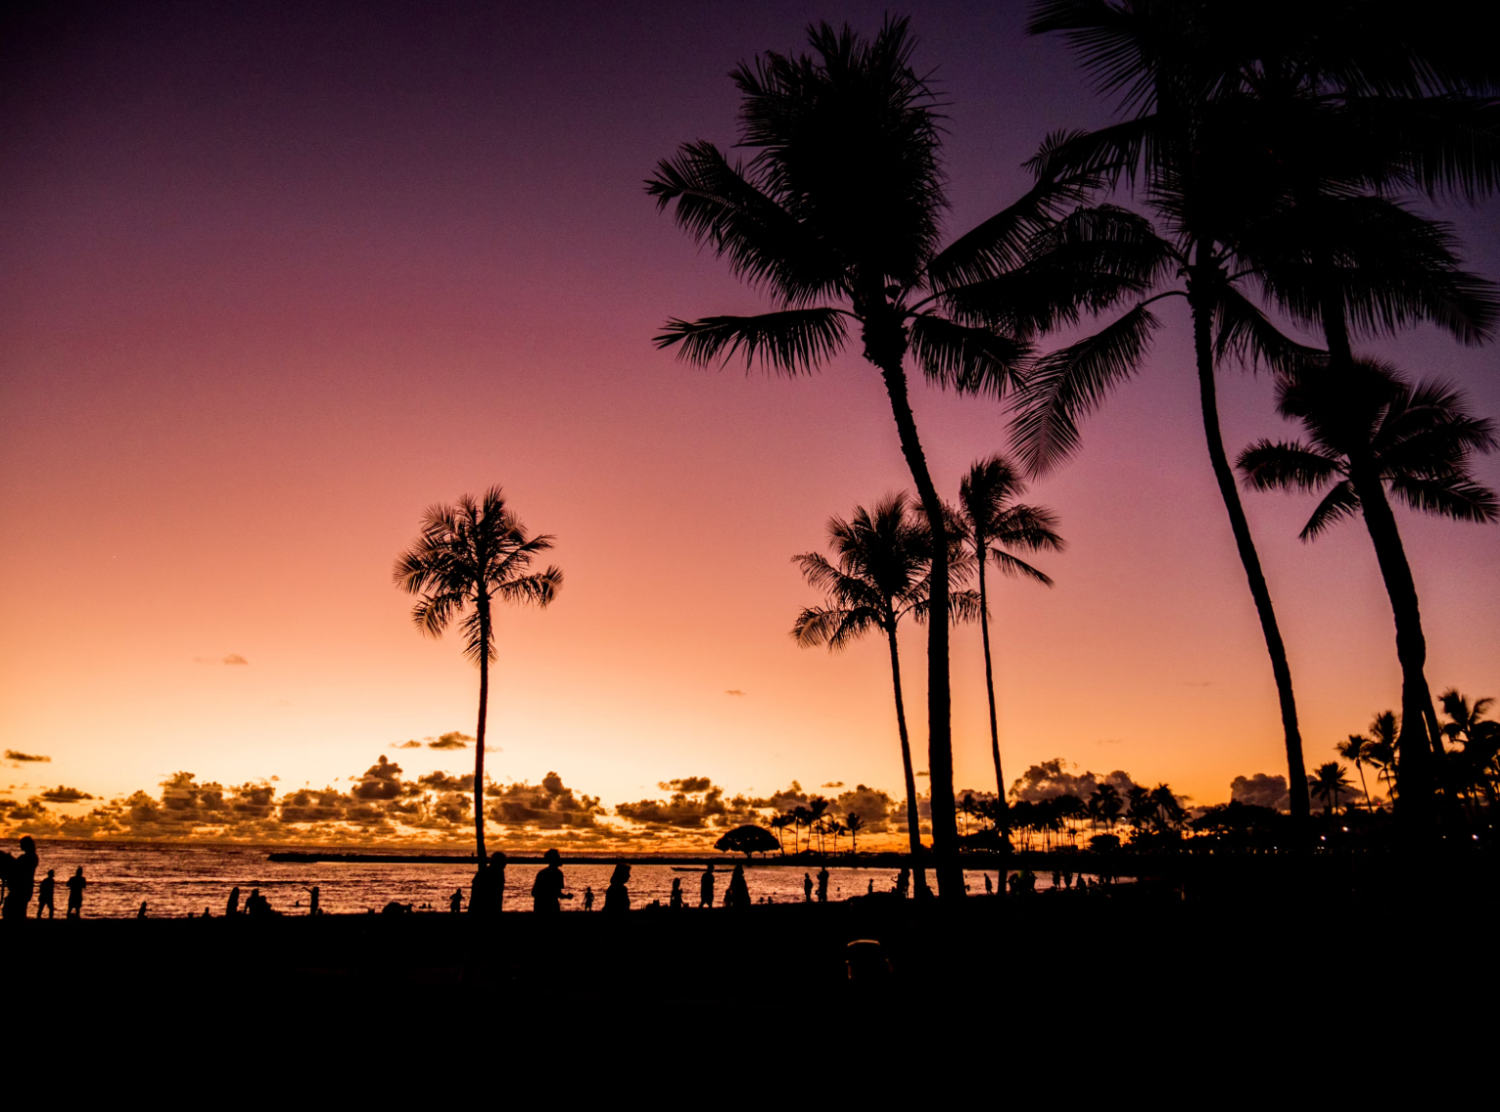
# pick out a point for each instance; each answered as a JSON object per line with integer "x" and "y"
{"x": 1368, "y": 431}
{"x": 884, "y": 572}
{"x": 993, "y": 523}
{"x": 468, "y": 555}
{"x": 838, "y": 217}
{"x": 1354, "y": 750}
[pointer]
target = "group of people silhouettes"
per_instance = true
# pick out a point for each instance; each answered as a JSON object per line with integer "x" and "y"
{"x": 18, "y": 883}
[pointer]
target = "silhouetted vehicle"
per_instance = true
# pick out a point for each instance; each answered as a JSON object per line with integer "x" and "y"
{"x": 617, "y": 896}
{"x": 993, "y": 522}
{"x": 848, "y": 192}
{"x": 547, "y": 889}
{"x": 706, "y": 887}
{"x": 469, "y": 554}
{"x": 76, "y": 885}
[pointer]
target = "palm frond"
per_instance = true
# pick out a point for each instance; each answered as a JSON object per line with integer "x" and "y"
{"x": 1068, "y": 384}
{"x": 965, "y": 359}
{"x": 1241, "y": 330}
{"x": 1012, "y": 565}
{"x": 1462, "y": 499}
{"x": 792, "y": 342}
{"x": 1341, "y": 502}
{"x": 1286, "y": 465}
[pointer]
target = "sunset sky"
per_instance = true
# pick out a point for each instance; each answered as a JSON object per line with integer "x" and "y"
{"x": 274, "y": 278}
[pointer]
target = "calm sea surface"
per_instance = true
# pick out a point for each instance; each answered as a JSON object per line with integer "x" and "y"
{"x": 176, "y": 880}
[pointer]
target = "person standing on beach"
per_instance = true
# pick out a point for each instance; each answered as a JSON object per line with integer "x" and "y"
{"x": 76, "y": 885}
{"x": 547, "y": 889}
{"x": 706, "y": 887}
{"x": 588, "y": 898}
{"x": 739, "y": 892}
{"x": 232, "y": 908}
{"x": 312, "y": 900}
{"x": 617, "y": 896}
{"x": 823, "y": 885}
{"x": 675, "y": 902}
{"x": 20, "y": 879}
{"x": 806, "y": 888}
{"x": 44, "y": 892}
{"x": 456, "y": 901}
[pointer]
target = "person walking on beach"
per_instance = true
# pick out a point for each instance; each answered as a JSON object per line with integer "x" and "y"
{"x": 806, "y": 888}
{"x": 44, "y": 892}
{"x": 76, "y": 885}
{"x": 823, "y": 885}
{"x": 232, "y": 908}
{"x": 617, "y": 896}
{"x": 738, "y": 894}
{"x": 547, "y": 889}
{"x": 706, "y": 887}
{"x": 20, "y": 879}
{"x": 141, "y": 914}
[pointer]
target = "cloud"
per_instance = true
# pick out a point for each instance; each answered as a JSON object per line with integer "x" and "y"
{"x": 834, "y": 784}
{"x": 61, "y": 794}
{"x": 406, "y": 745}
{"x": 451, "y": 740}
{"x": 16, "y": 755}
{"x": 870, "y": 804}
{"x": 381, "y": 781}
{"x": 1050, "y": 779}
{"x": 445, "y": 782}
{"x": 784, "y": 800}
{"x": 689, "y": 784}
{"x": 548, "y": 804}
{"x": 1261, "y": 790}
{"x": 1197, "y": 683}
{"x": 924, "y": 772}
{"x": 705, "y": 807}
{"x": 235, "y": 658}
{"x": 1108, "y": 741}
{"x": 734, "y": 691}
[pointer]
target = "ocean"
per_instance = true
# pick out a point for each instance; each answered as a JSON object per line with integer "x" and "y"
{"x": 175, "y": 880}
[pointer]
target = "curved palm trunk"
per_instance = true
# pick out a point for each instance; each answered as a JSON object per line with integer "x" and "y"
{"x": 1200, "y": 281}
{"x": 1419, "y": 729}
{"x": 484, "y": 700}
{"x": 939, "y": 698}
{"x": 1369, "y": 806}
{"x": 989, "y": 686}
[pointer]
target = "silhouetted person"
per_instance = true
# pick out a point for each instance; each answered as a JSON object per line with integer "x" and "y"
{"x": 870, "y": 891}
{"x": 675, "y": 902}
{"x": 20, "y": 879}
{"x": 456, "y": 901}
{"x": 257, "y": 906}
{"x": 496, "y": 890}
{"x": 588, "y": 899}
{"x": 617, "y": 896}
{"x": 903, "y": 882}
{"x": 312, "y": 901}
{"x": 44, "y": 892}
{"x": 739, "y": 893}
{"x": 141, "y": 914}
{"x": 806, "y": 888}
{"x": 396, "y": 907}
{"x": 823, "y": 885}
{"x": 989, "y": 888}
{"x": 547, "y": 889}
{"x": 76, "y": 885}
{"x": 232, "y": 908}
{"x": 706, "y": 887}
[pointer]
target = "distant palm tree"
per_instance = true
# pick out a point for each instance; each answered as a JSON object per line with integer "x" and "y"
{"x": 883, "y": 574}
{"x": 800, "y": 817}
{"x": 1354, "y": 750}
{"x": 854, "y": 824}
{"x": 1381, "y": 747}
{"x": 1479, "y": 736}
{"x": 838, "y": 217}
{"x": 1106, "y": 800}
{"x": 993, "y": 522}
{"x": 1368, "y": 431}
{"x": 817, "y": 807}
{"x": 468, "y": 555}
{"x": 779, "y": 823}
{"x": 1328, "y": 782}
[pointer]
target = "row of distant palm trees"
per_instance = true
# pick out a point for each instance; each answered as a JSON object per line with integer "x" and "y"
{"x": 819, "y": 824}
{"x": 1273, "y": 147}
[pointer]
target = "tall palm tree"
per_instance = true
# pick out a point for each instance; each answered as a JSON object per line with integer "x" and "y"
{"x": 884, "y": 573}
{"x": 994, "y": 522}
{"x": 837, "y": 217}
{"x": 778, "y": 824}
{"x": 1381, "y": 747}
{"x": 853, "y": 823}
{"x": 1369, "y": 430}
{"x": 1328, "y": 782}
{"x": 1354, "y": 750}
{"x": 467, "y": 555}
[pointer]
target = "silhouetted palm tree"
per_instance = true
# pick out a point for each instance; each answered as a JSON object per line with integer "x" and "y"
{"x": 1369, "y": 430}
{"x": 779, "y": 823}
{"x": 1381, "y": 747}
{"x": 1480, "y": 738}
{"x": 1106, "y": 800}
{"x": 1327, "y": 783}
{"x": 1354, "y": 750}
{"x": 854, "y": 824}
{"x": 993, "y": 522}
{"x": 884, "y": 572}
{"x": 837, "y": 217}
{"x": 468, "y": 555}
{"x": 801, "y": 817}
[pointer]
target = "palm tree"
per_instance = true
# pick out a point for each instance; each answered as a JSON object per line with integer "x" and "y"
{"x": 1367, "y": 431}
{"x": 817, "y": 807}
{"x": 1354, "y": 750}
{"x": 837, "y": 217}
{"x": 1381, "y": 747}
{"x": 854, "y": 824}
{"x": 468, "y": 555}
{"x": 1480, "y": 738}
{"x": 801, "y": 817}
{"x": 1106, "y": 800}
{"x": 992, "y": 523}
{"x": 884, "y": 572}
{"x": 779, "y": 823}
{"x": 1328, "y": 782}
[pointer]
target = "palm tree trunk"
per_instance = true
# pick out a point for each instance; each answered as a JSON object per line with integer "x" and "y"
{"x": 913, "y": 815}
{"x": 989, "y": 687}
{"x": 1201, "y": 281}
{"x": 939, "y": 697}
{"x": 483, "y": 604}
{"x": 1369, "y": 806}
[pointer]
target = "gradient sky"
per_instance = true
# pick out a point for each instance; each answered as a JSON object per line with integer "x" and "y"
{"x": 276, "y": 277}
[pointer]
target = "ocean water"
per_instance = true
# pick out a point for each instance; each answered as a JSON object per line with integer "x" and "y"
{"x": 176, "y": 880}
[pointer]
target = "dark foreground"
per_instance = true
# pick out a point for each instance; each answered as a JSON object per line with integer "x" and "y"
{"x": 1220, "y": 972}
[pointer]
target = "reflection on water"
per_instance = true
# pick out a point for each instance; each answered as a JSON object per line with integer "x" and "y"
{"x": 175, "y": 880}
